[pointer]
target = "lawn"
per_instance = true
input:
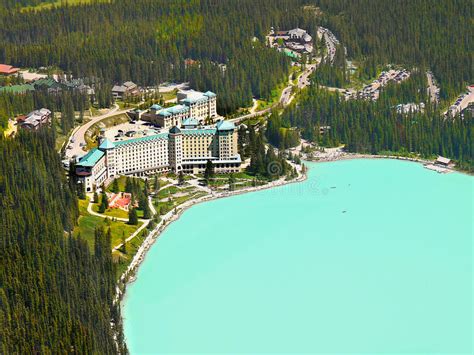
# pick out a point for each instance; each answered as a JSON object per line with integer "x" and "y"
{"x": 274, "y": 98}
{"x": 121, "y": 259}
{"x": 164, "y": 205}
{"x": 47, "y": 5}
{"x": 111, "y": 212}
{"x": 122, "y": 181}
{"x": 165, "y": 193}
{"x": 88, "y": 223}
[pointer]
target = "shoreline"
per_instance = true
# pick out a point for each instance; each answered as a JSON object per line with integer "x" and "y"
{"x": 351, "y": 156}
{"x": 129, "y": 275}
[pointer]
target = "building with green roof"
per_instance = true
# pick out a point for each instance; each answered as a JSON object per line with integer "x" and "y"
{"x": 179, "y": 149}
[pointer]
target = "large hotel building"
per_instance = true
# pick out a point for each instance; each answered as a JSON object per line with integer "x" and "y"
{"x": 186, "y": 146}
{"x": 192, "y": 104}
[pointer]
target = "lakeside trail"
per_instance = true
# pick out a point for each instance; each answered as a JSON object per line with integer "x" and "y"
{"x": 349, "y": 156}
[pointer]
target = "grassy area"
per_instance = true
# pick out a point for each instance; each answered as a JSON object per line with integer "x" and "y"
{"x": 164, "y": 205}
{"x": 296, "y": 72}
{"x": 241, "y": 175}
{"x": 274, "y": 98}
{"x": 111, "y": 212}
{"x": 122, "y": 259}
{"x": 165, "y": 96}
{"x": 165, "y": 193}
{"x": 122, "y": 182}
{"x": 47, "y": 5}
{"x": 88, "y": 223}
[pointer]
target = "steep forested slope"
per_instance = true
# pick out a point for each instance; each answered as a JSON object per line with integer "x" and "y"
{"x": 428, "y": 33}
{"x": 375, "y": 127}
{"x": 55, "y": 297}
{"x": 147, "y": 41}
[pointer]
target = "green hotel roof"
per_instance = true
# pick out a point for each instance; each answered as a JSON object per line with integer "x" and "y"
{"x": 225, "y": 126}
{"x": 203, "y": 131}
{"x": 191, "y": 100}
{"x": 141, "y": 139}
{"x": 106, "y": 144}
{"x": 91, "y": 158}
{"x": 290, "y": 54}
{"x": 210, "y": 94}
{"x": 173, "y": 110}
{"x": 190, "y": 121}
{"x": 49, "y": 82}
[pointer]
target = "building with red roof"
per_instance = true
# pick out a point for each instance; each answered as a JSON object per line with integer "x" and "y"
{"x": 8, "y": 69}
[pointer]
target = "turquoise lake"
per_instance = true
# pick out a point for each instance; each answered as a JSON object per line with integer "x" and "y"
{"x": 365, "y": 256}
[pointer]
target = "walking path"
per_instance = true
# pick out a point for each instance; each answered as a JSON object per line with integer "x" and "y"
{"x": 144, "y": 222}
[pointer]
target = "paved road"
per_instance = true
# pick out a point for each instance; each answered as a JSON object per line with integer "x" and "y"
{"x": 172, "y": 87}
{"x": 285, "y": 98}
{"x": 433, "y": 90}
{"x": 303, "y": 80}
{"x": 77, "y": 138}
{"x": 465, "y": 101}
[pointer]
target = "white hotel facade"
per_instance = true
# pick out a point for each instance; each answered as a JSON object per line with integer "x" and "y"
{"x": 186, "y": 147}
{"x": 192, "y": 104}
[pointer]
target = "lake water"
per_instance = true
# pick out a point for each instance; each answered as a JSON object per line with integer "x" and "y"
{"x": 366, "y": 256}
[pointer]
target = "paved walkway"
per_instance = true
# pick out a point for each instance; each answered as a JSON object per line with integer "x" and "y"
{"x": 433, "y": 90}
{"x": 144, "y": 222}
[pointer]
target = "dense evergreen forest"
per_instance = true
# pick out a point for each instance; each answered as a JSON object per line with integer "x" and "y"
{"x": 426, "y": 33}
{"x": 147, "y": 42}
{"x": 375, "y": 127}
{"x": 55, "y": 297}
{"x": 66, "y": 102}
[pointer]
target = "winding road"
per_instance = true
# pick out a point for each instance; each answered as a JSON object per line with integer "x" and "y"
{"x": 285, "y": 98}
{"x": 77, "y": 138}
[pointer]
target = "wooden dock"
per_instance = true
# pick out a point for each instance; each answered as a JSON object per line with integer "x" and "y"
{"x": 438, "y": 169}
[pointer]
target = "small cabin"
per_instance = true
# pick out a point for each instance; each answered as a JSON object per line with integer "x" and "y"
{"x": 442, "y": 161}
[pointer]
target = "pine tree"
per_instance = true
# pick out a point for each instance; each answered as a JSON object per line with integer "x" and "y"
{"x": 209, "y": 172}
{"x": 156, "y": 185}
{"x": 129, "y": 185}
{"x": 104, "y": 203}
{"x": 132, "y": 216}
{"x": 231, "y": 182}
{"x": 181, "y": 179}
{"x": 124, "y": 243}
{"x": 115, "y": 186}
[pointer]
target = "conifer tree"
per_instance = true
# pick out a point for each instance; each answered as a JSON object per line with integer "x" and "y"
{"x": 132, "y": 216}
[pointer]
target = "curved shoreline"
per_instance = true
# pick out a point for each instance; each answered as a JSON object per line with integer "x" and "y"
{"x": 350, "y": 156}
{"x": 129, "y": 275}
